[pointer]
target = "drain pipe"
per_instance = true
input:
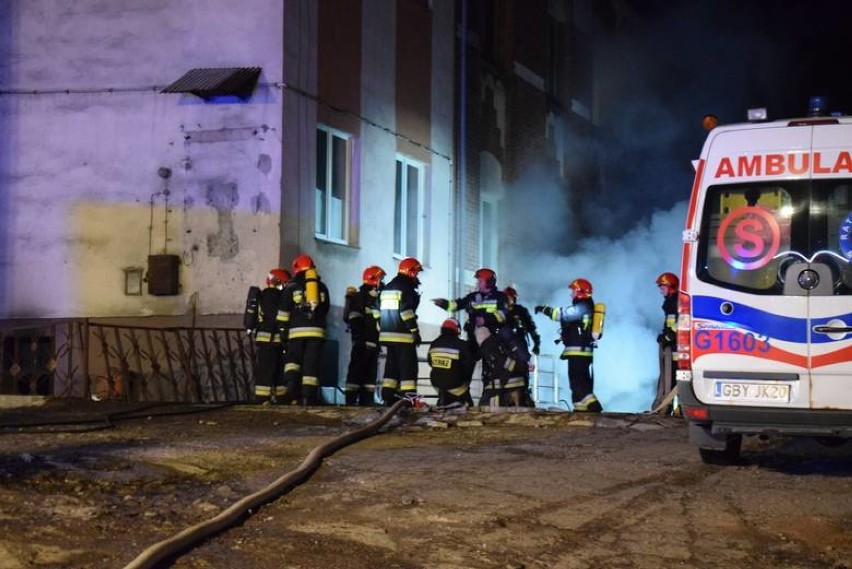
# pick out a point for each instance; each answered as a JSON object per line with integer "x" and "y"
{"x": 171, "y": 547}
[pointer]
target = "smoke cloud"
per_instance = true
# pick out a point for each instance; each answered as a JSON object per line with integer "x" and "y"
{"x": 623, "y": 271}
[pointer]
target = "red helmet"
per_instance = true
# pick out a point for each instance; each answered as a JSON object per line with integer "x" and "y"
{"x": 511, "y": 293}
{"x": 668, "y": 280}
{"x": 373, "y": 275}
{"x": 302, "y": 263}
{"x": 452, "y": 325}
{"x": 489, "y": 276}
{"x": 277, "y": 277}
{"x": 581, "y": 287}
{"x": 410, "y": 267}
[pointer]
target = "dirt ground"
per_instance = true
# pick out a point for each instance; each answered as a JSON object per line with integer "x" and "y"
{"x": 433, "y": 490}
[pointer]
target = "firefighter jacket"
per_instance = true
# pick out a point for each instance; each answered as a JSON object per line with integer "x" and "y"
{"x": 265, "y": 311}
{"x": 668, "y": 336}
{"x": 452, "y": 363}
{"x": 300, "y": 320}
{"x": 398, "y": 302}
{"x": 483, "y": 309}
{"x": 522, "y": 325}
{"x": 576, "y": 326}
{"x": 362, "y": 316}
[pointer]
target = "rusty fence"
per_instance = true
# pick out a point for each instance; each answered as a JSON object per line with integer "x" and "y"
{"x": 82, "y": 358}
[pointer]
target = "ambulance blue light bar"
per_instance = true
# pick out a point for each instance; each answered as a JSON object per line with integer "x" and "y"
{"x": 817, "y": 106}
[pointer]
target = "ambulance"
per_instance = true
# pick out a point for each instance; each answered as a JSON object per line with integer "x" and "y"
{"x": 764, "y": 339}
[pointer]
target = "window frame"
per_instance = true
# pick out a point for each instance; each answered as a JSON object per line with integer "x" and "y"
{"x": 344, "y": 221}
{"x": 419, "y": 214}
{"x": 492, "y": 201}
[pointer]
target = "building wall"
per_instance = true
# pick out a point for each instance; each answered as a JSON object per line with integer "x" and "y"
{"x": 385, "y": 118}
{"x": 88, "y": 134}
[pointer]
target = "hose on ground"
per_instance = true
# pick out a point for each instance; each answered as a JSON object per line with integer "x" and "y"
{"x": 171, "y": 547}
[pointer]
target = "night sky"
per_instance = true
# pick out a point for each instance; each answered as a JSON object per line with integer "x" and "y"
{"x": 689, "y": 58}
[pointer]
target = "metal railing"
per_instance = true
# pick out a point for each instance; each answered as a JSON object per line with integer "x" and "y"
{"x": 81, "y": 358}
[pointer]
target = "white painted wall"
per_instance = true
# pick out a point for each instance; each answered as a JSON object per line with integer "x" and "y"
{"x": 80, "y": 171}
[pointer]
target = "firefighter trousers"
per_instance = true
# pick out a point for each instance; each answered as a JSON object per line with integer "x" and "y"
{"x": 269, "y": 371}
{"x": 582, "y": 384}
{"x": 400, "y": 377}
{"x": 302, "y": 369}
{"x": 361, "y": 376}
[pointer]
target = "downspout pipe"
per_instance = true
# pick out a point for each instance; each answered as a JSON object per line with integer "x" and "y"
{"x": 462, "y": 157}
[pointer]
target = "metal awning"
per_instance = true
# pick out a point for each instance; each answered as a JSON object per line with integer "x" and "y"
{"x": 217, "y": 81}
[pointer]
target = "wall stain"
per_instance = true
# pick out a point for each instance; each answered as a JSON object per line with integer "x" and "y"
{"x": 223, "y": 197}
{"x": 264, "y": 163}
{"x": 260, "y": 204}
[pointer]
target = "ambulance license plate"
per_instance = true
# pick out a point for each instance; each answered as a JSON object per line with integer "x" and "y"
{"x": 752, "y": 392}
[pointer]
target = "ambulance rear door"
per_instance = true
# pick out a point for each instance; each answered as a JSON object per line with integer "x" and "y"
{"x": 830, "y": 303}
{"x": 750, "y": 327}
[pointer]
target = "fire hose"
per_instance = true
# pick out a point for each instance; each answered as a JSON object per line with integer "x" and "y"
{"x": 171, "y": 547}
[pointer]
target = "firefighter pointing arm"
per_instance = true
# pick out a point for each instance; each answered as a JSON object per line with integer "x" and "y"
{"x": 578, "y": 336}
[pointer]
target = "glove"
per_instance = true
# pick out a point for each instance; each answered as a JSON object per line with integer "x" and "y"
{"x": 441, "y": 303}
{"x": 661, "y": 339}
{"x": 536, "y": 349}
{"x": 417, "y": 339}
{"x": 538, "y": 309}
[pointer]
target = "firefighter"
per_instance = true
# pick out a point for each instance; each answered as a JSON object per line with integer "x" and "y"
{"x": 667, "y": 339}
{"x": 263, "y": 320}
{"x": 486, "y": 309}
{"x": 360, "y": 314}
{"x": 305, "y": 305}
{"x": 452, "y": 366}
{"x": 576, "y": 333}
{"x": 521, "y": 326}
{"x": 398, "y": 332}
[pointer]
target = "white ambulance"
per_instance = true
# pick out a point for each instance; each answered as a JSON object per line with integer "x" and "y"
{"x": 765, "y": 307}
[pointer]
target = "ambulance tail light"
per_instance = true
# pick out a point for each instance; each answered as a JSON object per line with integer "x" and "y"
{"x": 684, "y": 329}
{"x": 696, "y": 413}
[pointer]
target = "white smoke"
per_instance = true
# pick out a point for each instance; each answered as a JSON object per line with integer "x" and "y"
{"x": 623, "y": 272}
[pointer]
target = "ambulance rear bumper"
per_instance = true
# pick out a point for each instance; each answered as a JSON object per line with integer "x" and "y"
{"x": 738, "y": 420}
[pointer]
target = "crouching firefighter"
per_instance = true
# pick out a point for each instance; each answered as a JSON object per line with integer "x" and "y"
{"x": 360, "y": 313}
{"x": 486, "y": 312}
{"x": 305, "y": 306}
{"x": 452, "y": 365}
{"x": 581, "y": 325}
{"x": 264, "y": 322}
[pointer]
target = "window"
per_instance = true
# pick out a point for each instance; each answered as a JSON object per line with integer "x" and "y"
{"x": 407, "y": 207}
{"x": 333, "y": 184}
{"x": 753, "y": 233}
{"x": 488, "y": 232}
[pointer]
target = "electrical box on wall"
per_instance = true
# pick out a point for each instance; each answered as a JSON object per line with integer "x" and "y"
{"x": 163, "y": 273}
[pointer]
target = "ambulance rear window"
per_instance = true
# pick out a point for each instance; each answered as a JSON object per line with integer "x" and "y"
{"x": 751, "y": 233}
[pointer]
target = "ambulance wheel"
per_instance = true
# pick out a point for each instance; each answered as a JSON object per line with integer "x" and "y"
{"x": 729, "y": 455}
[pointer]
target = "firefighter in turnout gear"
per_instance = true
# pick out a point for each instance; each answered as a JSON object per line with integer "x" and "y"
{"x": 398, "y": 331}
{"x": 452, "y": 365}
{"x": 361, "y": 312}
{"x": 264, "y": 321}
{"x": 578, "y": 337}
{"x": 305, "y": 305}
{"x": 521, "y": 326}
{"x": 667, "y": 339}
{"x": 486, "y": 309}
